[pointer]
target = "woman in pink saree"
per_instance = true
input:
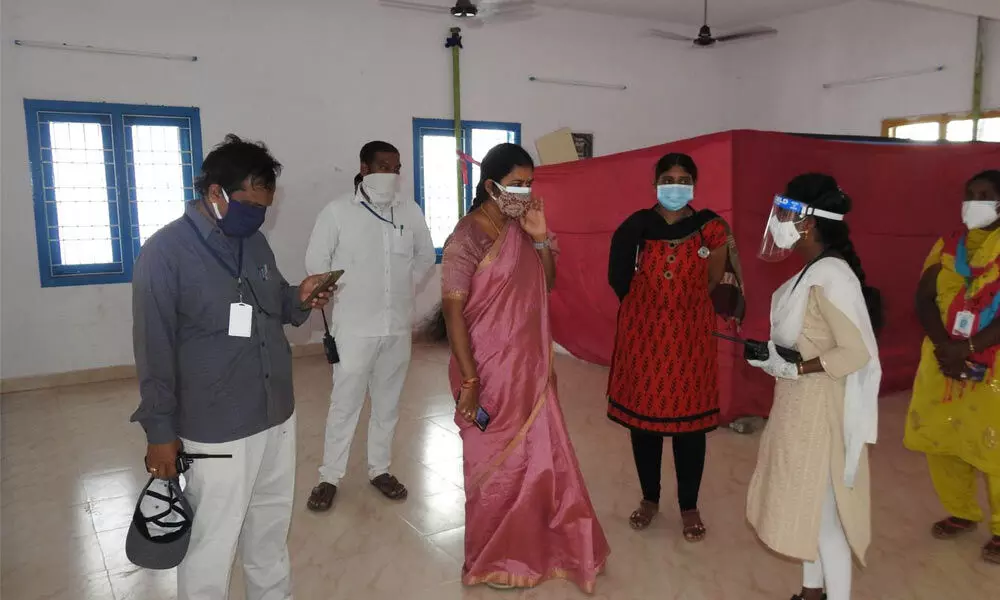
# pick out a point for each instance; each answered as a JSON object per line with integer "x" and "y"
{"x": 528, "y": 517}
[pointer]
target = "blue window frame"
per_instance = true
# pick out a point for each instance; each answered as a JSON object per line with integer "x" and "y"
{"x": 435, "y": 173}
{"x": 105, "y": 177}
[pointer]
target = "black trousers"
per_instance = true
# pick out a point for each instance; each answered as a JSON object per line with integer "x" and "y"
{"x": 689, "y": 463}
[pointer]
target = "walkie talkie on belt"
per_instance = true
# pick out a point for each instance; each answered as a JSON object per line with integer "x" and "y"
{"x": 329, "y": 344}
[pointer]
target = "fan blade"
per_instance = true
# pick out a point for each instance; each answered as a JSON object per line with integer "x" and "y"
{"x": 669, "y": 35}
{"x": 505, "y": 5}
{"x": 746, "y": 34}
{"x": 496, "y": 9}
{"x": 414, "y": 6}
{"x": 505, "y": 12}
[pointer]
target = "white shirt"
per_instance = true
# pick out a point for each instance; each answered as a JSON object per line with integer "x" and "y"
{"x": 383, "y": 261}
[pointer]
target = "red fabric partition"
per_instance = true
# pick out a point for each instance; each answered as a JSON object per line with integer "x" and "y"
{"x": 905, "y": 197}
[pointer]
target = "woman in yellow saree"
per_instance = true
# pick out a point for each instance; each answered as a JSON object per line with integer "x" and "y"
{"x": 954, "y": 415}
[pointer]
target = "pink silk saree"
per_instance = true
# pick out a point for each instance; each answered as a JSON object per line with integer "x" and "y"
{"x": 528, "y": 517}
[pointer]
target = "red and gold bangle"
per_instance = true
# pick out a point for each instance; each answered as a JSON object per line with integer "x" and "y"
{"x": 470, "y": 383}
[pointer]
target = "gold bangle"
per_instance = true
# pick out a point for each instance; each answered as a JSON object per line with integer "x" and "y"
{"x": 799, "y": 368}
{"x": 972, "y": 347}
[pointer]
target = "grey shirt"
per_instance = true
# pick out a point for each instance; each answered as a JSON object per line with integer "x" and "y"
{"x": 195, "y": 380}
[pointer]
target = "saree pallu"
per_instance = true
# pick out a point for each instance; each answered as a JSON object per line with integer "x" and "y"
{"x": 961, "y": 418}
{"x": 527, "y": 512}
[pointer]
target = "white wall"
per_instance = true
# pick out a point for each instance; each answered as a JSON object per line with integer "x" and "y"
{"x": 781, "y": 80}
{"x": 315, "y": 79}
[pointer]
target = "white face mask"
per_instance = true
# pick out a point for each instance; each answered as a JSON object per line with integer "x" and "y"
{"x": 785, "y": 234}
{"x": 381, "y": 188}
{"x": 977, "y": 214}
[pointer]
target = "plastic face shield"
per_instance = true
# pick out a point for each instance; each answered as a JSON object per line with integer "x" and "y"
{"x": 785, "y": 226}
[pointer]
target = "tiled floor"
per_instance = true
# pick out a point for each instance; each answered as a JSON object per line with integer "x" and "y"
{"x": 71, "y": 466}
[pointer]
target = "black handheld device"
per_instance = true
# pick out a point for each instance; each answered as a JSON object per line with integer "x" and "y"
{"x": 482, "y": 418}
{"x": 757, "y": 350}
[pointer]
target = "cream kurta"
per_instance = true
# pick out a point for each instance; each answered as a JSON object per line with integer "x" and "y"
{"x": 802, "y": 447}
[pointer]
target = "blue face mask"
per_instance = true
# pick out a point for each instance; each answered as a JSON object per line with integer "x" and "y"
{"x": 241, "y": 220}
{"x": 674, "y": 196}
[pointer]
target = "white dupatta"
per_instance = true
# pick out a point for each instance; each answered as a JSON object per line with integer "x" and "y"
{"x": 841, "y": 286}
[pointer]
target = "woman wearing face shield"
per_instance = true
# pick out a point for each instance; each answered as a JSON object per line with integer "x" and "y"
{"x": 809, "y": 497}
{"x": 954, "y": 415}
{"x": 665, "y": 264}
{"x": 528, "y": 516}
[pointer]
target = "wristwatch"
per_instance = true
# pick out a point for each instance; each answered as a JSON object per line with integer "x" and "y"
{"x": 543, "y": 245}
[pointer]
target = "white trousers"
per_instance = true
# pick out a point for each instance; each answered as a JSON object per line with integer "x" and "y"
{"x": 246, "y": 499}
{"x": 373, "y": 365}
{"x": 832, "y": 572}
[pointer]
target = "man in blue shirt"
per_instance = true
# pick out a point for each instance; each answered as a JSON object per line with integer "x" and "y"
{"x": 215, "y": 372}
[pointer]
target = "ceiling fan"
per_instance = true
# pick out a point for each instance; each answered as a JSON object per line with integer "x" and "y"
{"x": 705, "y": 38}
{"x": 476, "y": 13}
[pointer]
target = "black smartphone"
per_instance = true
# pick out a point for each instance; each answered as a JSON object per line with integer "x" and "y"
{"x": 330, "y": 279}
{"x": 482, "y": 419}
{"x": 975, "y": 372}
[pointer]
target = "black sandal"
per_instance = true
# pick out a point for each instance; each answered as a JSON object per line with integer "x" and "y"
{"x": 321, "y": 497}
{"x": 390, "y": 487}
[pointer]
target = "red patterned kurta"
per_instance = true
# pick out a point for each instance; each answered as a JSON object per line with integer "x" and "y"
{"x": 664, "y": 373}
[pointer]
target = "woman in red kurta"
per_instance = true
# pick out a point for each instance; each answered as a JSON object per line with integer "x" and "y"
{"x": 665, "y": 262}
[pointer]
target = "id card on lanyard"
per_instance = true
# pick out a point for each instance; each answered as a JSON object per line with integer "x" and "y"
{"x": 240, "y": 313}
{"x": 964, "y": 323}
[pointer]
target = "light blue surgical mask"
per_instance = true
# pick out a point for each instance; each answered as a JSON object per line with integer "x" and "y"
{"x": 674, "y": 196}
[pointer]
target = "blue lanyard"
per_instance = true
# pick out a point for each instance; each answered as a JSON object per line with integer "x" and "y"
{"x": 392, "y": 215}
{"x": 238, "y": 273}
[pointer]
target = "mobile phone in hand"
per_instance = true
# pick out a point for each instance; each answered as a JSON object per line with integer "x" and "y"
{"x": 975, "y": 372}
{"x": 324, "y": 286}
{"x": 482, "y": 418}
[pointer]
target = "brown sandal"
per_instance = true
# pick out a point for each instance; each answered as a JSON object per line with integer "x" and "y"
{"x": 390, "y": 487}
{"x": 952, "y": 527}
{"x": 643, "y": 516}
{"x": 321, "y": 497}
{"x": 694, "y": 529}
{"x": 991, "y": 551}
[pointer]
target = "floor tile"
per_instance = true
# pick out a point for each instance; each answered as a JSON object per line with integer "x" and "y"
{"x": 71, "y": 466}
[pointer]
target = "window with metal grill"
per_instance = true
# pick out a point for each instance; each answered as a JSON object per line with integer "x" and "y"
{"x": 106, "y": 177}
{"x": 436, "y": 179}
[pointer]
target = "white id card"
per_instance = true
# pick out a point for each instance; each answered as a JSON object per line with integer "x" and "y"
{"x": 963, "y": 324}
{"x": 240, "y": 319}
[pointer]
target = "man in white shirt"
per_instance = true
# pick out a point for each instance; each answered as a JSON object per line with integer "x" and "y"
{"x": 381, "y": 241}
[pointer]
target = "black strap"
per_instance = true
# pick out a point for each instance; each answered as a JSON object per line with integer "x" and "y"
{"x": 173, "y": 505}
{"x": 238, "y": 274}
{"x": 326, "y": 325}
{"x": 824, "y": 254}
